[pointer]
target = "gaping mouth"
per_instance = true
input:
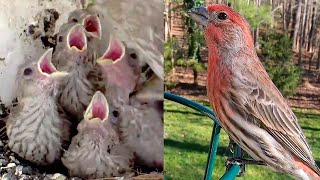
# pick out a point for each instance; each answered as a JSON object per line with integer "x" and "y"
{"x": 46, "y": 67}
{"x": 200, "y": 15}
{"x": 77, "y": 38}
{"x": 114, "y": 53}
{"x": 98, "y": 107}
{"x": 93, "y": 26}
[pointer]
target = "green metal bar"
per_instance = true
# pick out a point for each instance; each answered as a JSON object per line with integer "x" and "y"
{"x": 212, "y": 151}
{"x": 231, "y": 173}
{"x": 194, "y": 105}
{"x": 234, "y": 169}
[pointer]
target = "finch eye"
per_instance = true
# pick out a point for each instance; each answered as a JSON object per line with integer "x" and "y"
{"x": 60, "y": 38}
{"x": 115, "y": 113}
{"x": 27, "y": 71}
{"x": 222, "y": 16}
{"x": 133, "y": 55}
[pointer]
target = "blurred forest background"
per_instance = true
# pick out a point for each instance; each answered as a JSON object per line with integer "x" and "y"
{"x": 286, "y": 35}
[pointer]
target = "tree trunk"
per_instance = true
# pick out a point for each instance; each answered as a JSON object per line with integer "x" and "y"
{"x": 318, "y": 61}
{"x": 297, "y": 25}
{"x": 300, "y": 52}
{"x": 310, "y": 61}
{"x": 308, "y": 23}
{"x": 301, "y": 42}
{"x": 171, "y": 37}
{"x": 166, "y": 25}
{"x": 256, "y": 30}
{"x": 284, "y": 24}
{"x": 312, "y": 28}
{"x": 195, "y": 77}
{"x": 256, "y": 38}
{"x": 291, "y": 23}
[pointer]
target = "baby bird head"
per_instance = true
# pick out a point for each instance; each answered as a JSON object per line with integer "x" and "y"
{"x": 115, "y": 53}
{"x": 96, "y": 118}
{"x": 96, "y": 124}
{"x": 98, "y": 109}
{"x": 71, "y": 49}
{"x": 90, "y": 21}
{"x": 72, "y": 37}
{"x": 40, "y": 77}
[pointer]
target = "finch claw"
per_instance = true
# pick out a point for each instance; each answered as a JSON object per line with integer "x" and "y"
{"x": 242, "y": 163}
{"x": 231, "y": 145}
{"x": 239, "y": 162}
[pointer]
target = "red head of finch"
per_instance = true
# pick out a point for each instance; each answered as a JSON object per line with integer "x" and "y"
{"x": 249, "y": 106}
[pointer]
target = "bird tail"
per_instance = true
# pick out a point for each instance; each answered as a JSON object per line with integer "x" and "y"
{"x": 313, "y": 173}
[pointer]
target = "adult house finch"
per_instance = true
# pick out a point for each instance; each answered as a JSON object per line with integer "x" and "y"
{"x": 96, "y": 152}
{"x": 247, "y": 103}
{"x": 141, "y": 128}
{"x": 35, "y": 128}
{"x": 72, "y": 55}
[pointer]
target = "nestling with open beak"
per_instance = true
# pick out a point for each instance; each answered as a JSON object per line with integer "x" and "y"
{"x": 97, "y": 26}
{"x": 36, "y": 128}
{"x": 95, "y": 152}
{"x": 72, "y": 55}
{"x": 139, "y": 24}
{"x": 121, "y": 74}
{"x": 120, "y": 67}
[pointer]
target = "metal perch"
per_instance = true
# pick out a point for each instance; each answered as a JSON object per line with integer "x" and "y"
{"x": 234, "y": 169}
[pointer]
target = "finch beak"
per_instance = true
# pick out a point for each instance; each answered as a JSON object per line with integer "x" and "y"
{"x": 152, "y": 90}
{"x": 200, "y": 15}
{"x": 46, "y": 67}
{"x": 113, "y": 54}
{"x": 98, "y": 108}
{"x": 93, "y": 26}
{"x": 76, "y": 38}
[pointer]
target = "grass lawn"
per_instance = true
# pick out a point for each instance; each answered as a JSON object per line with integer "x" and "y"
{"x": 187, "y": 137}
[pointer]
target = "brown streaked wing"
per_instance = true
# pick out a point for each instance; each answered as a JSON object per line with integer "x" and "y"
{"x": 266, "y": 105}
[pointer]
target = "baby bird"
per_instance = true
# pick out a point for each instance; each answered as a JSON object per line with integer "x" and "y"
{"x": 149, "y": 95}
{"x": 72, "y": 55}
{"x": 98, "y": 27}
{"x": 142, "y": 130}
{"x": 36, "y": 127}
{"x": 120, "y": 64}
{"x": 120, "y": 74}
{"x": 149, "y": 91}
{"x": 95, "y": 152}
